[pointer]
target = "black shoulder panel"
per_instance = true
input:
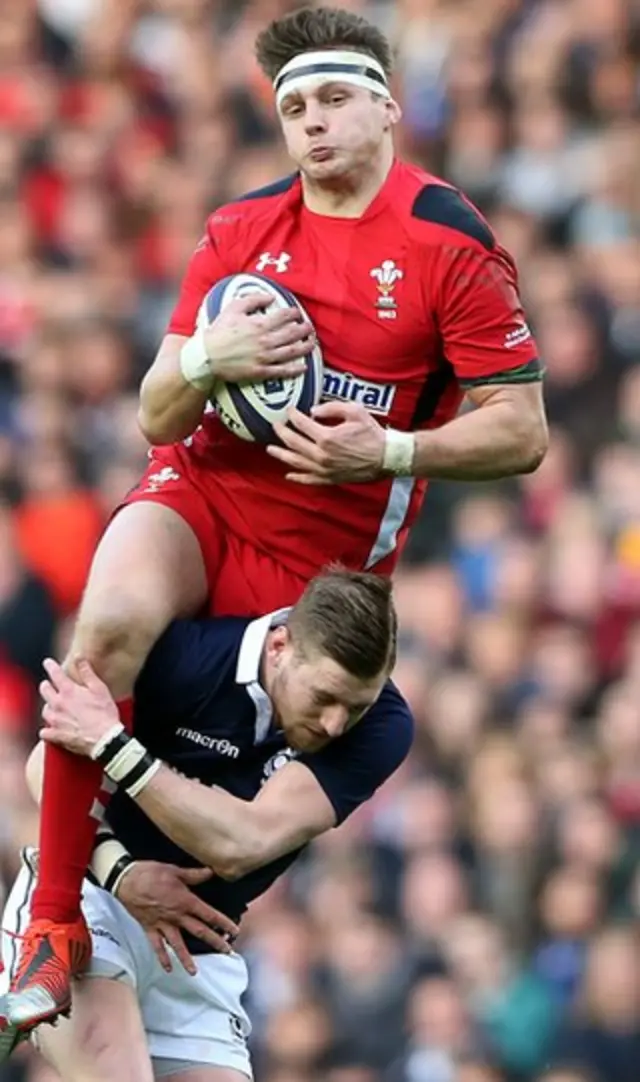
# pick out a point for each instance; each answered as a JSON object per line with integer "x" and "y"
{"x": 446, "y": 206}
{"x": 277, "y": 188}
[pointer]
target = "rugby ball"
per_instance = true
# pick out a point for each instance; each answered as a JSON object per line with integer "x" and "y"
{"x": 249, "y": 409}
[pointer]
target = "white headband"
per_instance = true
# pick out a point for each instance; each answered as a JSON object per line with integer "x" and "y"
{"x": 312, "y": 69}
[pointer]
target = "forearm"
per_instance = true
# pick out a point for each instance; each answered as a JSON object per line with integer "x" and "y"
{"x": 170, "y": 408}
{"x": 218, "y": 829}
{"x": 229, "y": 835}
{"x": 482, "y": 445}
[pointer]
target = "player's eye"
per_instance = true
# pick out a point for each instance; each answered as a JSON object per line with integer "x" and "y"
{"x": 321, "y": 698}
{"x": 337, "y": 99}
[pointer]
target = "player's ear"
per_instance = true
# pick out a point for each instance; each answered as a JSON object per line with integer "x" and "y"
{"x": 277, "y": 640}
{"x": 393, "y": 113}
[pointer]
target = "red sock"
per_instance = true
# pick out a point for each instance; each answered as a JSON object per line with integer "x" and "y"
{"x": 71, "y": 785}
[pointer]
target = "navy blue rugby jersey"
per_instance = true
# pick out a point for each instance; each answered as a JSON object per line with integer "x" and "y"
{"x": 200, "y": 707}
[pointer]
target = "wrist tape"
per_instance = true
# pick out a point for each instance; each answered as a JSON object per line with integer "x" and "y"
{"x": 110, "y": 860}
{"x": 399, "y": 449}
{"x": 125, "y": 760}
{"x": 195, "y": 364}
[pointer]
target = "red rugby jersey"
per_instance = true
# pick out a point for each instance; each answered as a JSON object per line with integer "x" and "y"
{"x": 413, "y": 302}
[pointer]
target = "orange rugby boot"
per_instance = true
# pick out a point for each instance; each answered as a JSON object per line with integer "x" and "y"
{"x": 10, "y": 1036}
{"x": 52, "y": 955}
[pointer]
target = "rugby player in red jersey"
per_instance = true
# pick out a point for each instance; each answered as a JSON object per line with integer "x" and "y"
{"x": 414, "y": 303}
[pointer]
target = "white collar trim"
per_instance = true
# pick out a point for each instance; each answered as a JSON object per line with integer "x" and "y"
{"x": 248, "y": 668}
{"x": 252, "y": 645}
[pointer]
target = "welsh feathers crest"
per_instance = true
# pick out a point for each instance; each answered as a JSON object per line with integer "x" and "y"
{"x": 386, "y": 276}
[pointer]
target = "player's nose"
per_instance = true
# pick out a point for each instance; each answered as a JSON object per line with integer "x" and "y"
{"x": 314, "y": 118}
{"x": 334, "y": 720}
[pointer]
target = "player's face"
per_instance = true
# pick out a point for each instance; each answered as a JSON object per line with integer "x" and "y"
{"x": 335, "y": 129}
{"x": 315, "y": 700}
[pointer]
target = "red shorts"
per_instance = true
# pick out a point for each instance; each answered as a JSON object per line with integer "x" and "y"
{"x": 243, "y": 581}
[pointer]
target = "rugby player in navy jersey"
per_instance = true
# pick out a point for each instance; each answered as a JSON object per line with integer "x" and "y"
{"x": 289, "y": 722}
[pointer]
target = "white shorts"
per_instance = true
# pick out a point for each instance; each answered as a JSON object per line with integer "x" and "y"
{"x": 192, "y": 1019}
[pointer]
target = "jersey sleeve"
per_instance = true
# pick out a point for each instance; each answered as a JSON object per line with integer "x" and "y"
{"x": 206, "y": 267}
{"x": 351, "y": 768}
{"x": 485, "y": 334}
{"x": 187, "y": 667}
{"x": 472, "y": 288}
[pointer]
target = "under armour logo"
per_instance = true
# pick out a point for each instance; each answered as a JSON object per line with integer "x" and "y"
{"x": 280, "y": 262}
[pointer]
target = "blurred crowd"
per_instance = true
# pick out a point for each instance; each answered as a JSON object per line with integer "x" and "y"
{"x": 479, "y": 921}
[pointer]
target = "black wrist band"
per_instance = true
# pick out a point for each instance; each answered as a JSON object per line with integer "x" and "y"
{"x": 118, "y": 868}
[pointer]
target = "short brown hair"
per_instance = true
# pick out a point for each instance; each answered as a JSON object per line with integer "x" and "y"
{"x": 319, "y": 28}
{"x": 348, "y": 616}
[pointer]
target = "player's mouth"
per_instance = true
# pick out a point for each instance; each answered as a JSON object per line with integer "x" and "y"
{"x": 307, "y": 739}
{"x": 321, "y": 154}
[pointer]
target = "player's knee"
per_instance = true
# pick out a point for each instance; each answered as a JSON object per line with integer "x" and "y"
{"x": 102, "y": 1055}
{"x": 115, "y": 636}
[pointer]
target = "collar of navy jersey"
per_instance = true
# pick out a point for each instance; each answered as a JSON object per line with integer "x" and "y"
{"x": 252, "y": 645}
{"x": 248, "y": 667}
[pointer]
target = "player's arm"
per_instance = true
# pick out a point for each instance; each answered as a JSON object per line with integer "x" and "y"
{"x": 242, "y": 343}
{"x": 303, "y": 799}
{"x": 159, "y": 896}
{"x": 493, "y": 355}
{"x": 170, "y": 408}
{"x": 505, "y": 434}
{"x": 232, "y": 836}
{"x": 171, "y": 404}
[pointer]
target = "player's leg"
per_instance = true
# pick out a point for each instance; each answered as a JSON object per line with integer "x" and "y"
{"x": 122, "y": 955}
{"x": 147, "y": 570}
{"x": 171, "y": 1071}
{"x": 198, "y": 1022}
{"x": 253, "y": 582}
{"x": 103, "y": 1040}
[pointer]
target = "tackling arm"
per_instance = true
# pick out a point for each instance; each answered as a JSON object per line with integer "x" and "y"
{"x": 231, "y": 836}
{"x": 235, "y": 836}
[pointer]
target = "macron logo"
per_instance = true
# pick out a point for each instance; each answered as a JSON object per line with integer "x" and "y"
{"x": 223, "y": 747}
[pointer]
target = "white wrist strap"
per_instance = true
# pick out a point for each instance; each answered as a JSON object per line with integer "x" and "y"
{"x": 195, "y": 364}
{"x": 399, "y": 449}
{"x": 125, "y": 760}
{"x": 132, "y": 767}
{"x": 110, "y": 861}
